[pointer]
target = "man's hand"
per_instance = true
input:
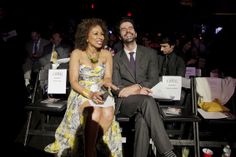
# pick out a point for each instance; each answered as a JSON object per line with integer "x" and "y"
{"x": 145, "y": 91}
{"x": 130, "y": 90}
{"x": 110, "y": 86}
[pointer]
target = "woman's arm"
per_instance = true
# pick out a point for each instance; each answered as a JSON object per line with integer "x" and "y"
{"x": 74, "y": 69}
{"x": 107, "y": 81}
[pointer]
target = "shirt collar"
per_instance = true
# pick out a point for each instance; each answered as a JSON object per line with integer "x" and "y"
{"x": 134, "y": 50}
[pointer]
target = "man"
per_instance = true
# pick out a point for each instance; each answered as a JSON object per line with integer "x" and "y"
{"x": 134, "y": 74}
{"x": 169, "y": 63}
{"x": 57, "y": 49}
{"x": 34, "y": 49}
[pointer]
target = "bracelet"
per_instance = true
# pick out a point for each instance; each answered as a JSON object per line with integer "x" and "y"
{"x": 86, "y": 93}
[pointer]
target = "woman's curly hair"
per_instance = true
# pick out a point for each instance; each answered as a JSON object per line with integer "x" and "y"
{"x": 83, "y": 29}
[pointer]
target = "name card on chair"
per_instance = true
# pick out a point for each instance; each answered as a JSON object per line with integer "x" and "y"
{"x": 57, "y": 81}
{"x": 169, "y": 88}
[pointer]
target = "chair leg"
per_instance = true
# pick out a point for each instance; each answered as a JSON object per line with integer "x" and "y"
{"x": 182, "y": 128}
{"x": 27, "y": 127}
{"x": 196, "y": 139}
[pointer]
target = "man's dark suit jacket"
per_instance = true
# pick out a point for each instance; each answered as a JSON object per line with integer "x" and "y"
{"x": 63, "y": 51}
{"x": 176, "y": 65}
{"x": 146, "y": 70}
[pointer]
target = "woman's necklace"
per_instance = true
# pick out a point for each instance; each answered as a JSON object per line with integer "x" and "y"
{"x": 94, "y": 59}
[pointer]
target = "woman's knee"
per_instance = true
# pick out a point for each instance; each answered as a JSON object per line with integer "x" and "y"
{"x": 108, "y": 114}
{"x": 96, "y": 114}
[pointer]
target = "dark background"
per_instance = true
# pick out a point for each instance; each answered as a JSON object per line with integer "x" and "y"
{"x": 151, "y": 16}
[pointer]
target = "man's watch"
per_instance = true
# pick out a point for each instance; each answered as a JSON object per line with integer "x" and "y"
{"x": 140, "y": 86}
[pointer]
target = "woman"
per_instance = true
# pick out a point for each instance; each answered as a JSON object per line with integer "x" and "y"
{"x": 86, "y": 122}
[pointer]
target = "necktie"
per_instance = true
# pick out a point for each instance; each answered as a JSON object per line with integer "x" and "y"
{"x": 54, "y": 55}
{"x": 165, "y": 66}
{"x": 35, "y": 48}
{"x": 132, "y": 62}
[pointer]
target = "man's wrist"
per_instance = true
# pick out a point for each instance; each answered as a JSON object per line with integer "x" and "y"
{"x": 140, "y": 86}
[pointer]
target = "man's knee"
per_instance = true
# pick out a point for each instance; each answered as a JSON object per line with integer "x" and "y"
{"x": 149, "y": 101}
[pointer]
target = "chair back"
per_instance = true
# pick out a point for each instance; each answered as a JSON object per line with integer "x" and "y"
{"x": 216, "y": 128}
{"x": 184, "y": 113}
{"x": 47, "y": 111}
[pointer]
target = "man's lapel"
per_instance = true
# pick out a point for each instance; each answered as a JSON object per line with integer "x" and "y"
{"x": 139, "y": 59}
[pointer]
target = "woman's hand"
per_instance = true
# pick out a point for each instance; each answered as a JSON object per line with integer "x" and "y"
{"x": 96, "y": 97}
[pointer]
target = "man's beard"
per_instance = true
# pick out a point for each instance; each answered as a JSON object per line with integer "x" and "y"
{"x": 130, "y": 40}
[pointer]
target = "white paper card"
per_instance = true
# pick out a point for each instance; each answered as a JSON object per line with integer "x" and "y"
{"x": 168, "y": 88}
{"x": 173, "y": 85}
{"x": 57, "y": 81}
{"x": 159, "y": 91}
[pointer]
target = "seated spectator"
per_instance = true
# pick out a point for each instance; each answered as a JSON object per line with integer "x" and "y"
{"x": 56, "y": 49}
{"x": 34, "y": 49}
{"x": 169, "y": 62}
{"x": 87, "y": 127}
{"x": 135, "y": 72}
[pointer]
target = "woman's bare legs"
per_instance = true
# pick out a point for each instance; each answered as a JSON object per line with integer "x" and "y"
{"x": 91, "y": 130}
{"x": 106, "y": 118}
{"x": 98, "y": 119}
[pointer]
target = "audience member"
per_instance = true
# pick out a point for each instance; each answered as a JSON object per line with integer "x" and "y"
{"x": 90, "y": 69}
{"x": 56, "y": 49}
{"x": 135, "y": 72}
{"x": 34, "y": 49}
{"x": 169, "y": 62}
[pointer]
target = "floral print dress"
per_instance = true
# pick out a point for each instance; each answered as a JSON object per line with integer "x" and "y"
{"x": 69, "y": 135}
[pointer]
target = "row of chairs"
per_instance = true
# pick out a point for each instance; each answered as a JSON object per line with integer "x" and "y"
{"x": 187, "y": 119}
{"x": 190, "y": 129}
{"x": 187, "y": 130}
